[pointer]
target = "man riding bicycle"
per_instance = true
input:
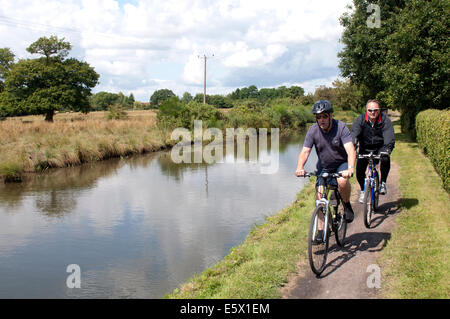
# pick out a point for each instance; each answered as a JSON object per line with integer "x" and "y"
{"x": 335, "y": 150}
{"x": 374, "y": 132}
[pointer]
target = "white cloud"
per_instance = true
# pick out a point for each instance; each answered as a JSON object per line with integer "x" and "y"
{"x": 193, "y": 73}
{"x": 123, "y": 40}
{"x": 243, "y": 56}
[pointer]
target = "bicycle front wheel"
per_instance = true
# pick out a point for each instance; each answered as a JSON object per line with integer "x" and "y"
{"x": 317, "y": 245}
{"x": 339, "y": 225}
{"x": 376, "y": 193}
{"x": 367, "y": 206}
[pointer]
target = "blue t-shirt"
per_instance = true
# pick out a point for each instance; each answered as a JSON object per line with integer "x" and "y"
{"x": 329, "y": 146}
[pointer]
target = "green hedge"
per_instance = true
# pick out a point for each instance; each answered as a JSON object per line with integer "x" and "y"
{"x": 433, "y": 136}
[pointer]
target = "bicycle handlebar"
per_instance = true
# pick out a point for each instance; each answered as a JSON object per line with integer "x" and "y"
{"x": 371, "y": 155}
{"x": 324, "y": 175}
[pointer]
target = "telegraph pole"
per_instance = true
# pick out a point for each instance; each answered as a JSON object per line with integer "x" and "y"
{"x": 204, "y": 57}
{"x": 204, "y": 81}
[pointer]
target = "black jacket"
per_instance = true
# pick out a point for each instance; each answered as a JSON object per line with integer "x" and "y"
{"x": 379, "y": 137}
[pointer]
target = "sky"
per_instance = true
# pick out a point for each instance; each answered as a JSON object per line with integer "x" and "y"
{"x": 140, "y": 46}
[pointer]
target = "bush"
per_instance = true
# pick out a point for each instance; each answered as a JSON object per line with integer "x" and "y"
{"x": 433, "y": 136}
{"x": 209, "y": 114}
{"x": 174, "y": 113}
{"x": 282, "y": 113}
{"x": 217, "y": 100}
{"x": 116, "y": 112}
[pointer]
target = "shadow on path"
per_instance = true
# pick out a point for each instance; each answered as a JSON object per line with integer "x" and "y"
{"x": 383, "y": 212}
{"x": 356, "y": 243}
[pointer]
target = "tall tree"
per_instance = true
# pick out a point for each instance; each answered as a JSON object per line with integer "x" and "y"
{"x": 324, "y": 92}
{"x": 417, "y": 66}
{"x": 131, "y": 100}
{"x": 296, "y": 92}
{"x": 365, "y": 50}
{"x": 160, "y": 96}
{"x": 347, "y": 95}
{"x": 6, "y": 61}
{"x": 47, "y": 84}
{"x": 187, "y": 97}
{"x": 404, "y": 61}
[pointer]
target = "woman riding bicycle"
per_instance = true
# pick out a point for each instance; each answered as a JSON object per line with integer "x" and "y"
{"x": 374, "y": 132}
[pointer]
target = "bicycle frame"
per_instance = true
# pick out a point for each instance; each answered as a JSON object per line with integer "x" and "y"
{"x": 370, "y": 179}
{"x": 325, "y": 203}
{"x": 324, "y": 190}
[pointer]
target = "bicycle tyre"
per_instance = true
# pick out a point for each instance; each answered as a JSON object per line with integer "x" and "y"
{"x": 339, "y": 225}
{"x": 317, "y": 253}
{"x": 376, "y": 196}
{"x": 367, "y": 206}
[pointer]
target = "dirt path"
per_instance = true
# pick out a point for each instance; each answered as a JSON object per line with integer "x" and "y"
{"x": 346, "y": 273}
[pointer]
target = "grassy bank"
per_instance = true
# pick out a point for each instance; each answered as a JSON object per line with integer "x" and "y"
{"x": 416, "y": 261}
{"x": 258, "y": 267}
{"x": 29, "y": 144}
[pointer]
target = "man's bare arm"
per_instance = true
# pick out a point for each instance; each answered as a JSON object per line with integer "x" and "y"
{"x": 302, "y": 158}
{"x": 351, "y": 158}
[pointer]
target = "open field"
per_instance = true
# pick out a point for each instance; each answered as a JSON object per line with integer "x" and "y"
{"x": 76, "y": 116}
{"x": 29, "y": 144}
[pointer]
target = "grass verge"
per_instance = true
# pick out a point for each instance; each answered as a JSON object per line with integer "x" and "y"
{"x": 260, "y": 266}
{"x": 416, "y": 260}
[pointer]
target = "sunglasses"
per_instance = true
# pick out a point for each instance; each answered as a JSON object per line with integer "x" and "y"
{"x": 323, "y": 116}
{"x": 373, "y": 110}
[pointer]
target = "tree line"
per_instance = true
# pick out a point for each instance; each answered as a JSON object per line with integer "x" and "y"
{"x": 343, "y": 94}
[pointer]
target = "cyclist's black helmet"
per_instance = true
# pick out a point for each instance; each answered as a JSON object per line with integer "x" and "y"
{"x": 322, "y": 106}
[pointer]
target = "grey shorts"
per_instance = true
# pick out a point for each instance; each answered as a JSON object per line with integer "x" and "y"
{"x": 330, "y": 181}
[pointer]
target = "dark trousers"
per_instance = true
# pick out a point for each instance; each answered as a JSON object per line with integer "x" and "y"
{"x": 361, "y": 166}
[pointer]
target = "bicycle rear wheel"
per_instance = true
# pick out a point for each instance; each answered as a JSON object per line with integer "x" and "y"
{"x": 317, "y": 250}
{"x": 367, "y": 205}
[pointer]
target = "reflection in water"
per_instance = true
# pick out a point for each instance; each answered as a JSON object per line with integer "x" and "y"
{"x": 137, "y": 227}
{"x": 57, "y": 187}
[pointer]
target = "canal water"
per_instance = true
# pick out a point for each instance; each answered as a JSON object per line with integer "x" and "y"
{"x": 136, "y": 227}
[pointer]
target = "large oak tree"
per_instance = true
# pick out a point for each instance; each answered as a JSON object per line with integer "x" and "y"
{"x": 47, "y": 84}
